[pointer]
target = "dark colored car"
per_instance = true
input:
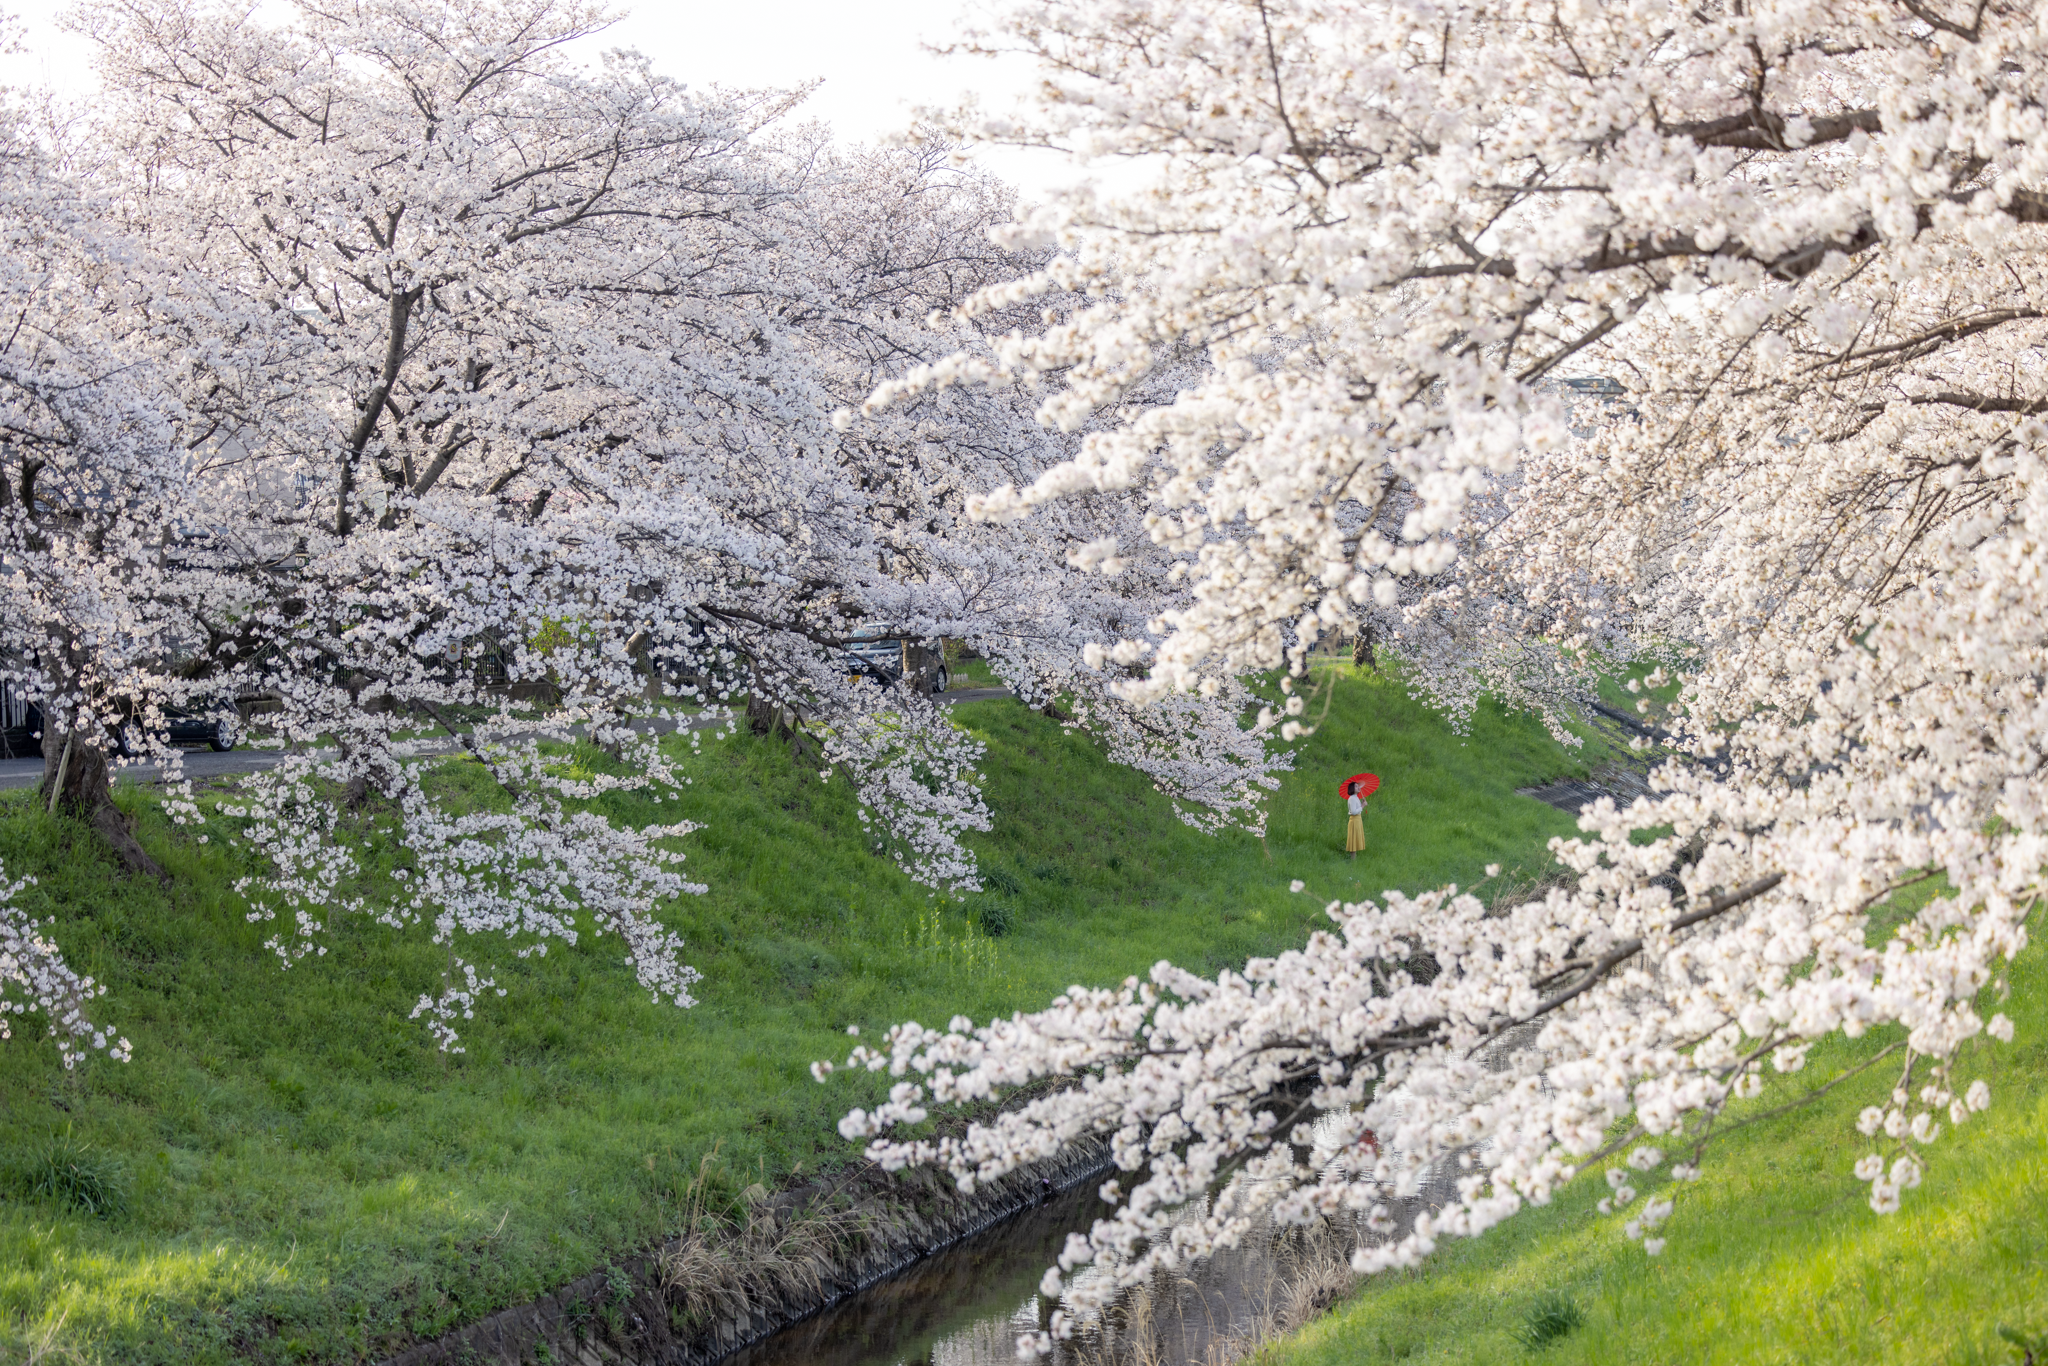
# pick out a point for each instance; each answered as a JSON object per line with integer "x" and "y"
{"x": 219, "y": 732}
{"x": 21, "y": 728}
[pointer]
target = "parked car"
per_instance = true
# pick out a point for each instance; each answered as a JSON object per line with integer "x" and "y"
{"x": 21, "y": 727}
{"x": 218, "y": 731}
{"x": 885, "y": 659}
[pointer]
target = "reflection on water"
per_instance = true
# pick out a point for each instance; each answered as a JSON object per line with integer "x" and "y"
{"x": 967, "y": 1305}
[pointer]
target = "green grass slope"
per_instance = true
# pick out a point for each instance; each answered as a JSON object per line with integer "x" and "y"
{"x": 1774, "y": 1256}
{"x": 298, "y": 1175}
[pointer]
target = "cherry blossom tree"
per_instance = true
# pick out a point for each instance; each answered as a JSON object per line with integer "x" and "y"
{"x": 505, "y": 385}
{"x": 92, "y": 484}
{"x": 430, "y": 282}
{"x": 92, "y": 497}
{"x": 1806, "y": 241}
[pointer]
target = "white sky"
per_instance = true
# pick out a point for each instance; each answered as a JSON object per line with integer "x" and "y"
{"x": 867, "y": 52}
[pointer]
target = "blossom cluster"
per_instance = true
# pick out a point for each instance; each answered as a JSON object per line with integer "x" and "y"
{"x": 35, "y": 977}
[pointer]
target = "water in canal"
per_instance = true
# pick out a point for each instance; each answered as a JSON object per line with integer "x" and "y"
{"x": 967, "y": 1305}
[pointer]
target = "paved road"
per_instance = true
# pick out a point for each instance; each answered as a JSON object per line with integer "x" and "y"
{"x": 199, "y": 763}
{"x": 204, "y": 763}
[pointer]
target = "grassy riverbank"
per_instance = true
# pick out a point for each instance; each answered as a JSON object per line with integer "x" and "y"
{"x": 297, "y": 1175}
{"x": 1773, "y": 1256}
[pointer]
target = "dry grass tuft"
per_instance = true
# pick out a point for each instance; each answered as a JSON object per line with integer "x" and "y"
{"x": 722, "y": 1272}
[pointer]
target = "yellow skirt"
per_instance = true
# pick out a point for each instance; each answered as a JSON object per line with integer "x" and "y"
{"x": 1354, "y": 835}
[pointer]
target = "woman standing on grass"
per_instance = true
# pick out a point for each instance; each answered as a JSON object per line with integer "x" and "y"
{"x": 1354, "y": 834}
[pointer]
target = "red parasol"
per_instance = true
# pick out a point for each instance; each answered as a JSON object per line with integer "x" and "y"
{"x": 1366, "y": 783}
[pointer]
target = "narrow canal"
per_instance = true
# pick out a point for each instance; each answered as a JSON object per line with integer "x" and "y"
{"x": 967, "y": 1305}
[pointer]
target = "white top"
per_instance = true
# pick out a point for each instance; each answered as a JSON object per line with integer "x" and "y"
{"x": 1357, "y": 805}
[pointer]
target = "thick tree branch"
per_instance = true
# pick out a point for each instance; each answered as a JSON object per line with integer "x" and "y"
{"x": 1764, "y": 131}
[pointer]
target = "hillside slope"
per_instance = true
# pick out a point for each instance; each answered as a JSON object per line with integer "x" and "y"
{"x": 298, "y": 1175}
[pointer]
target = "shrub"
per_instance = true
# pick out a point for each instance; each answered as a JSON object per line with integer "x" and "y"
{"x": 1555, "y": 1314}
{"x": 996, "y": 917}
{"x": 75, "y": 1174}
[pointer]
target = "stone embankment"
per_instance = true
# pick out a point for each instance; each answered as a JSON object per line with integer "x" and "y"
{"x": 720, "y": 1287}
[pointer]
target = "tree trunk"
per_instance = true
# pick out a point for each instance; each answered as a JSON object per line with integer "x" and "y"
{"x": 764, "y": 715}
{"x": 919, "y": 664}
{"x": 76, "y": 771}
{"x": 1362, "y": 652}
